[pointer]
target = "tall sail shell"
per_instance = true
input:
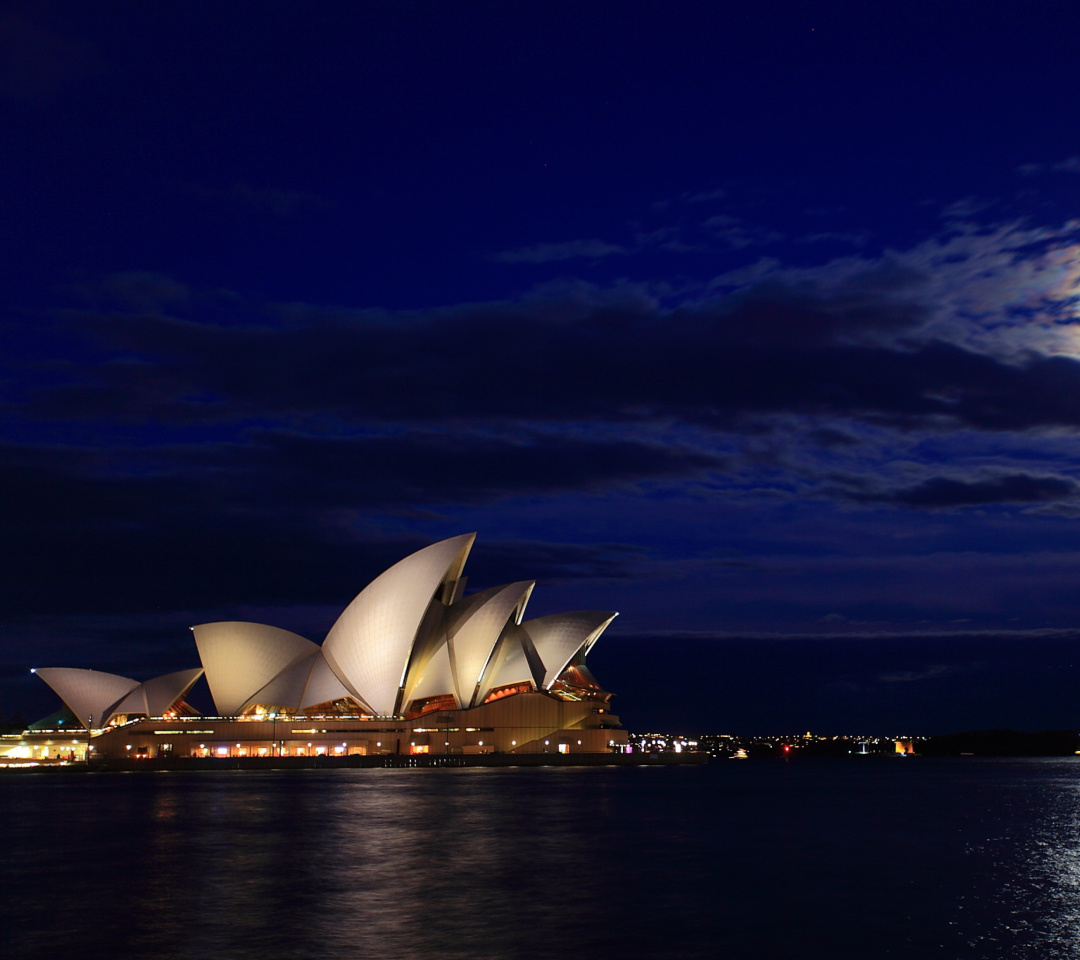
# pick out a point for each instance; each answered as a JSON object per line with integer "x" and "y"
{"x": 370, "y": 644}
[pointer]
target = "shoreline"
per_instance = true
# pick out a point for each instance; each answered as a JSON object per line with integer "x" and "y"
{"x": 157, "y": 764}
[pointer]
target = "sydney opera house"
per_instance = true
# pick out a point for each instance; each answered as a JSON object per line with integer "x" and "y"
{"x": 413, "y": 666}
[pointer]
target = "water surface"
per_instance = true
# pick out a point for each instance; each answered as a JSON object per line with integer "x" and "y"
{"x": 906, "y": 858}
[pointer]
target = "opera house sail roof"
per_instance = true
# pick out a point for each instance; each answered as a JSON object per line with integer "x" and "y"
{"x": 96, "y": 697}
{"x": 409, "y": 642}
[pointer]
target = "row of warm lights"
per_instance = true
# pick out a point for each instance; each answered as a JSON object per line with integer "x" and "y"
{"x": 43, "y": 751}
{"x": 661, "y": 738}
{"x": 339, "y": 749}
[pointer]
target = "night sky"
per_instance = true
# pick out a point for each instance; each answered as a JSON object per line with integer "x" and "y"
{"x": 754, "y": 322}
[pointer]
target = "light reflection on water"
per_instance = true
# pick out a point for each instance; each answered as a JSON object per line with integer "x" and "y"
{"x": 1031, "y": 846}
{"x": 890, "y": 858}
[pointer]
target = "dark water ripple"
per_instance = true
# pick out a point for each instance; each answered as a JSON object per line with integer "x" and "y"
{"x": 912, "y": 858}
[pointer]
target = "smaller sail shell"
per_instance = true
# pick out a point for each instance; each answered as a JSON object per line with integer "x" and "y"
{"x": 90, "y": 694}
{"x": 241, "y": 658}
{"x": 322, "y": 685}
{"x": 558, "y": 637}
{"x": 514, "y": 660}
{"x": 164, "y": 692}
{"x": 286, "y": 689}
{"x": 154, "y": 697}
{"x": 134, "y": 702}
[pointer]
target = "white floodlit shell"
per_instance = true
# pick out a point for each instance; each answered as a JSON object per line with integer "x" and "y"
{"x": 241, "y": 658}
{"x": 472, "y": 634}
{"x": 558, "y": 637}
{"x": 435, "y": 678}
{"x": 165, "y": 691}
{"x": 322, "y": 685}
{"x": 287, "y": 688}
{"x": 370, "y": 645}
{"x": 88, "y": 693}
{"x": 134, "y": 702}
{"x": 510, "y": 663}
{"x": 154, "y": 697}
{"x": 303, "y": 683}
{"x": 408, "y": 635}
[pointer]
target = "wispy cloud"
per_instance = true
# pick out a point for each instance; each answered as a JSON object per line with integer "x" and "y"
{"x": 713, "y": 195}
{"x": 933, "y": 672}
{"x": 706, "y": 196}
{"x": 945, "y": 493}
{"x": 717, "y": 234}
{"x": 567, "y": 250}
{"x": 834, "y": 385}
{"x": 972, "y": 330}
{"x": 857, "y": 238}
{"x": 967, "y": 208}
{"x": 734, "y": 234}
{"x": 136, "y": 290}
{"x": 272, "y": 201}
{"x": 1068, "y": 165}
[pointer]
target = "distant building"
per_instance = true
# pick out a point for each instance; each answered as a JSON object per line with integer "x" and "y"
{"x": 412, "y": 666}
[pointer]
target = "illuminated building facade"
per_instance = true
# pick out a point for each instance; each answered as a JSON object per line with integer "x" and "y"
{"x": 412, "y": 666}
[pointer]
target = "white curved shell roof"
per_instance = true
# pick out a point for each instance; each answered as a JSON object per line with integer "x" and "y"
{"x": 163, "y": 692}
{"x": 558, "y": 637}
{"x": 472, "y": 635}
{"x": 154, "y": 697}
{"x": 433, "y": 678}
{"x": 514, "y": 660}
{"x": 323, "y": 685}
{"x": 134, "y": 702}
{"x": 241, "y": 658}
{"x": 409, "y": 635}
{"x": 370, "y": 645}
{"x": 304, "y": 683}
{"x": 286, "y": 689}
{"x": 453, "y": 660}
{"x": 90, "y": 694}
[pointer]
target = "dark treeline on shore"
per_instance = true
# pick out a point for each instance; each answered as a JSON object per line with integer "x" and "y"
{"x": 980, "y": 743}
{"x": 1003, "y": 743}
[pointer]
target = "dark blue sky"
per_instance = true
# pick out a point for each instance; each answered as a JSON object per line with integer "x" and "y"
{"x": 756, "y": 323}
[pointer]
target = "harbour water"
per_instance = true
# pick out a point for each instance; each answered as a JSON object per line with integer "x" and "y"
{"x": 844, "y": 860}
